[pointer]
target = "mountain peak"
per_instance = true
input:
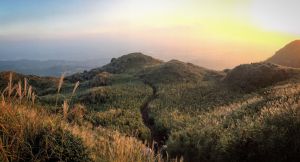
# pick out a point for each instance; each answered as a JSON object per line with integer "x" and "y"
{"x": 136, "y": 54}
{"x": 130, "y": 62}
{"x": 289, "y": 55}
{"x": 294, "y": 43}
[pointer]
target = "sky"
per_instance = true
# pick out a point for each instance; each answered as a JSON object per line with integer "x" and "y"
{"x": 216, "y": 34}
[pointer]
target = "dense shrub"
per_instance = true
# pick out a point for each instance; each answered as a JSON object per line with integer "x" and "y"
{"x": 94, "y": 96}
{"x": 60, "y": 145}
{"x": 101, "y": 79}
{"x": 126, "y": 121}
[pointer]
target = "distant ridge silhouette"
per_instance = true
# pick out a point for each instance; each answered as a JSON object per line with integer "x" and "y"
{"x": 289, "y": 55}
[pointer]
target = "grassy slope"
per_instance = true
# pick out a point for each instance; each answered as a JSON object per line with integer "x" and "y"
{"x": 204, "y": 117}
{"x": 211, "y": 121}
{"x": 31, "y": 132}
{"x": 115, "y": 106}
{"x": 176, "y": 71}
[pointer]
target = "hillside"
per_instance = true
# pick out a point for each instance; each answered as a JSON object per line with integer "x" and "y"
{"x": 118, "y": 111}
{"x": 287, "y": 56}
{"x": 251, "y": 77}
{"x": 31, "y": 132}
{"x": 176, "y": 71}
{"x": 130, "y": 63}
{"x": 42, "y": 85}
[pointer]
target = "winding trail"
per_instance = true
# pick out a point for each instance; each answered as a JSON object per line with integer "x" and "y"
{"x": 149, "y": 122}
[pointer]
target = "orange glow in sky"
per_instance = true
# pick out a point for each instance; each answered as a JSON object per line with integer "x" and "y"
{"x": 217, "y": 33}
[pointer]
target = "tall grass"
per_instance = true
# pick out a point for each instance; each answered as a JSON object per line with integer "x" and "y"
{"x": 3, "y": 100}
{"x": 10, "y": 84}
{"x": 20, "y": 96}
{"x": 74, "y": 91}
{"x": 31, "y": 134}
{"x": 75, "y": 87}
{"x": 65, "y": 109}
{"x": 16, "y": 92}
{"x": 59, "y": 86}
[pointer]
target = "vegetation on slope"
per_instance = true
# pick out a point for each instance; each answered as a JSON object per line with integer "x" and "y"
{"x": 263, "y": 128}
{"x": 250, "y": 77}
{"x": 250, "y": 115}
{"x": 176, "y": 71}
{"x": 130, "y": 63}
{"x": 30, "y": 132}
{"x": 115, "y": 107}
{"x": 229, "y": 125}
{"x": 29, "y": 135}
{"x": 42, "y": 85}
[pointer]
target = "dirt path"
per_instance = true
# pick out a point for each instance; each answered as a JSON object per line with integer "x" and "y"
{"x": 149, "y": 122}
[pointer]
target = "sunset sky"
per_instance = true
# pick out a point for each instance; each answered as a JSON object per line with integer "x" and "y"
{"x": 212, "y": 33}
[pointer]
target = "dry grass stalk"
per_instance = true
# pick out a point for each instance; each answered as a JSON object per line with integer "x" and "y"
{"x": 10, "y": 85}
{"x": 33, "y": 96}
{"x": 181, "y": 159}
{"x": 29, "y": 92}
{"x": 19, "y": 90}
{"x": 3, "y": 100}
{"x": 15, "y": 89}
{"x": 5, "y": 90}
{"x": 60, "y": 83}
{"x": 75, "y": 87}
{"x": 4, "y": 156}
{"x": 74, "y": 90}
{"x": 25, "y": 86}
{"x": 65, "y": 109}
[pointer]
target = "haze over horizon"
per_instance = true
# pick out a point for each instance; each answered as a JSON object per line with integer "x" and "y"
{"x": 217, "y": 34}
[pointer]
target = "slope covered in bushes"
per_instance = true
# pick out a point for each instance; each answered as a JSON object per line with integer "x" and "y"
{"x": 177, "y": 71}
{"x": 130, "y": 63}
{"x": 251, "y": 77}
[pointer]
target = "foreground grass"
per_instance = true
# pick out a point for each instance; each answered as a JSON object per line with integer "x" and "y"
{"x": 31, "y": 132}
{"x": 32, "y": 135}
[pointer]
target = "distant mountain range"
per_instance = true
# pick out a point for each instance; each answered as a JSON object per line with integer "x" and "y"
{"x": 50, "y": 67}
{"x": 288, "y": 56}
